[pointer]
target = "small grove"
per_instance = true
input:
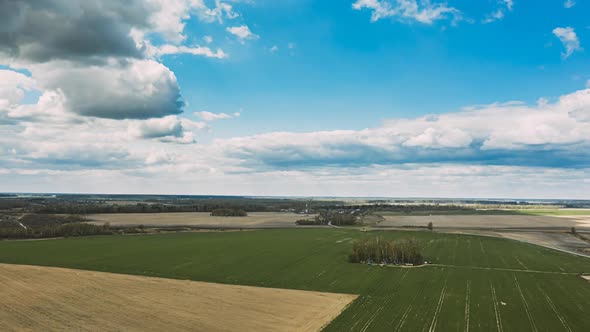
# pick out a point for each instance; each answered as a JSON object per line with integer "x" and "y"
{"x": 379, "y": 251}
{"x": 337, "y": 218}
{"x": 227, "y": 212}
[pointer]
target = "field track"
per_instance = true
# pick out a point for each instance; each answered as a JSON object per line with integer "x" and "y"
{"x": 57, "y": 299}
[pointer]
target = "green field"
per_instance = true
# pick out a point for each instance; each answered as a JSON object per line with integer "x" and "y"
{"x": 480, "y": 284}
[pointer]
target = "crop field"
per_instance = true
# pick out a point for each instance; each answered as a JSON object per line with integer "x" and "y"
{"x": 487, "y": 221}
{"x": 257, "y": 219}
{"x": 551, "y": 231}
{"x": 48, "y": 298}
{"x": 473, "y": 284}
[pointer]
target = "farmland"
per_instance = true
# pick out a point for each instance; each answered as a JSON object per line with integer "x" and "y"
{"x": 201, "y": 219}
{"x": 47, "y": 298}
{"x": 475, "y": 283}
{"x": 484, "y": 221}
{"x": 553, "y": 231}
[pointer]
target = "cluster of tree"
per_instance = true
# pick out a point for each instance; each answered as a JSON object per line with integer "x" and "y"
{"x": 225, "y": 212}
{"x": 379, "y": 251}
{"x": 308, "y": 222}
{"x": 329, "y": 217}
{"x": 55, "y": 230}
{"x": 35, "y": 220}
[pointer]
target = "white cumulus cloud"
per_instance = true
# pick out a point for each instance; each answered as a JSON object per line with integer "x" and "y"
{"x": 569, "y": 39}
{"x": 243, "y": 33}
{"x": 196, "y": 50}
{"x": 118, "y": 90}
{"x": 423, "y": 11}
{"x": 510, "y": 133}
{"x": 503, "y": 7}
{"x": 209, "y": 116}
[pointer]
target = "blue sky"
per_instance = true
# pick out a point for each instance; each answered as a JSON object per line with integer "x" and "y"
{"x": 257, "y": 97}
{"x": 367, "y": 71}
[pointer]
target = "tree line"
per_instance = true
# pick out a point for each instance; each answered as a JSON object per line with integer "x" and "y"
{"x": 379, "y": 251}
{"x": 84, "y": 204}
{"x": 55, "y": 230}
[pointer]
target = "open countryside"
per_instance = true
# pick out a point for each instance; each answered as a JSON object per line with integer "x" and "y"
{"x": 544, "y": 227}
{"x": 294, "y": 166}
{"x": 473, "y": 283}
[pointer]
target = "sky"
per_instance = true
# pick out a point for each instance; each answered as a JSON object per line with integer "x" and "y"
{"x": 383, "y": 98}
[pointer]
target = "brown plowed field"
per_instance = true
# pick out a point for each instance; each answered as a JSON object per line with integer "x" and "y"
{"x": 485, "y": 221}
{"x": 56, "y": 299}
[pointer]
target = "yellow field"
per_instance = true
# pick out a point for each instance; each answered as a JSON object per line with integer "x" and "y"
{"x": 197, "y": 219}
{"x": 57, "y": 299}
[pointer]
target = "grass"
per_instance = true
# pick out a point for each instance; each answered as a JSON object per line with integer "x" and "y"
{"x": 494, "y": 284}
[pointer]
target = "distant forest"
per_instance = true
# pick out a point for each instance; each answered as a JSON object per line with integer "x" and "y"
{"x": 93, "y": 206}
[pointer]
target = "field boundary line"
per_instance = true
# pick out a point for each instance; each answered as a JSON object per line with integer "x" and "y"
{"x": 438, "y": 308}
{"x": 496, "y": 309}
{"x": 385, "y": 303}
{"x": 402, "y": 279}
{"x": 520, "y": 262}
{"x": 407, "y": 311}
{"x": 404, "y": 316}
{"x": 550, "y": 302}
{"x": 467, "y": 305}
{"x": 362, "y": 304}
{"x": 374, "y": 315}
{"x": 494, "y": 269}
{"x": 483, "y": 251}
{"x": 20, "y": 223}
{"x": 526, "y": 305}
